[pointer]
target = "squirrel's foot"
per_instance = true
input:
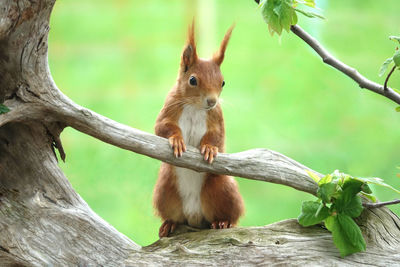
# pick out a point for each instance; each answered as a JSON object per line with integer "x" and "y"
{"x": 209, "y": 152}
{"x": 178, "y": 145}
{"x": 221, "y": 225}
{"x": 166, "y": 228}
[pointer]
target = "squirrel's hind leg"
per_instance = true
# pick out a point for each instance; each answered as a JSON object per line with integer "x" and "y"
{"x": 221, "y": 202}
{"x": 166, "y": 200}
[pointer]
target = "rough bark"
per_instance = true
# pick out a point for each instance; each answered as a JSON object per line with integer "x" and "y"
{"x": 283, "y": 243}
{"x": 44, "y": 222}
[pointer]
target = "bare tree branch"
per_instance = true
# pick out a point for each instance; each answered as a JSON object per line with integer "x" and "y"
{"x": 257, "y": 164}
{"x": 327, "y": 58}
{"x": 380, "y": 204}
{"x": 339, "y": 65}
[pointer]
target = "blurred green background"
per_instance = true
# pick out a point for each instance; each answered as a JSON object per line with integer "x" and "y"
{"x": 120, "y": 58}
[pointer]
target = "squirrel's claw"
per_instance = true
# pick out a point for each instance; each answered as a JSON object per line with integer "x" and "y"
{"x": 178, "y": 145}
{"x": 166, "y": 228}
{"x": 209, "y": 152}
{"x": 220, "y": 225}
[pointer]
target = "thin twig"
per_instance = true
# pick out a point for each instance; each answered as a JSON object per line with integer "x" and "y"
{"x": 349, "y": 71}
{"x": 337, "y": 64}
{"x": 387, "y": 78}
{"x": 380, "y": 204}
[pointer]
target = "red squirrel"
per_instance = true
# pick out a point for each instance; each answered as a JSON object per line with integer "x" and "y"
{"x": 192, "y": 115}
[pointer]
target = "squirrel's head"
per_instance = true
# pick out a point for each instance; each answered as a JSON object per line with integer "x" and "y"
{"x": 200, "y": 80}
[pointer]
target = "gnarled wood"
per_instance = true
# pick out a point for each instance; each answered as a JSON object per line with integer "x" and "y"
{"x": 43, "y": 221}
{"x": 283, "y": 243}
{"x": 257, "y": 164}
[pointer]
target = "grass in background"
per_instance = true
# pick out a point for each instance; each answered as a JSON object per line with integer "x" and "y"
{"x": 119, "y": 58}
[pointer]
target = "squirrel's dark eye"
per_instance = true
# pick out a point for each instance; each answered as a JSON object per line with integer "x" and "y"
{"x": 223, "y": 83}
{"x": 193, "y": 81}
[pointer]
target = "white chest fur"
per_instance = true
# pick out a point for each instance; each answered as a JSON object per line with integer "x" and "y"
{"x": 193, "y": 124}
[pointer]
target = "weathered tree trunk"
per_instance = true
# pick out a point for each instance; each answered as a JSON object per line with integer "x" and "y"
{"x": 43, "y": 221}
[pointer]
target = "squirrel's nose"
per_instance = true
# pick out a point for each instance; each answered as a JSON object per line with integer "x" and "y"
{"x": 211, "y": 102}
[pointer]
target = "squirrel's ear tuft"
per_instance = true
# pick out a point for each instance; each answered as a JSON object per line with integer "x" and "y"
{"x": 219, "y": 55}
{"x": 189, "y": 55}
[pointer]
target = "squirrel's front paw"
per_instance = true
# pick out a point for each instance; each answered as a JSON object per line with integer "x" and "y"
{"x": 177, "y": 144}
{"x": 209, "y": 152}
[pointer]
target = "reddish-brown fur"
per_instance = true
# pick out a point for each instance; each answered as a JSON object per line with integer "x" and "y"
{"x": 221, "y": 202}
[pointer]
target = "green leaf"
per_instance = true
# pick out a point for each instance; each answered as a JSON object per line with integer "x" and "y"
{"x": 348, "y": 201}
{"x": 396, "y": 58}
{"x": 377, "y": 181}
{"x": 309, "y": 14}
{"x": 394, "y": 38}
{"x": 278, "y": 14}
{"x": 294, "y": 18}
{"x": 281, "y": 14}
{"x": 329, "y": 222}
{"x": 369, "y": 196}
{"x": 398, "y": 109}
{"x": 314, "y": 176}
{"x": 326, "y": 179}
{"x": 310, "y": 3}
{"x": 3, "y": 109}
{"x": 352, "y": 231}
{"x": 346, "y": 234}
{"x": 270, "y": 17}
{"x": 385, "y": 65}
{"x": 285, "y": 12}
{"x": 366, "y": 189}
{"x": 352, "y": 186}
{"x": 339, "y": 177}
{"x": 325, "y": 192}
{"x": 352, "y": 208}
{"x": 309, "y": 216}
{"x": 320, "y": 207}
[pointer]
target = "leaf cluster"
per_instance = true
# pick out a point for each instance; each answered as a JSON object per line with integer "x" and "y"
{"x": 338, "y": 203}
{"x": 392, "y": 61}
{"x": 395, "y": 59}
{"x": 281, "y": 14}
